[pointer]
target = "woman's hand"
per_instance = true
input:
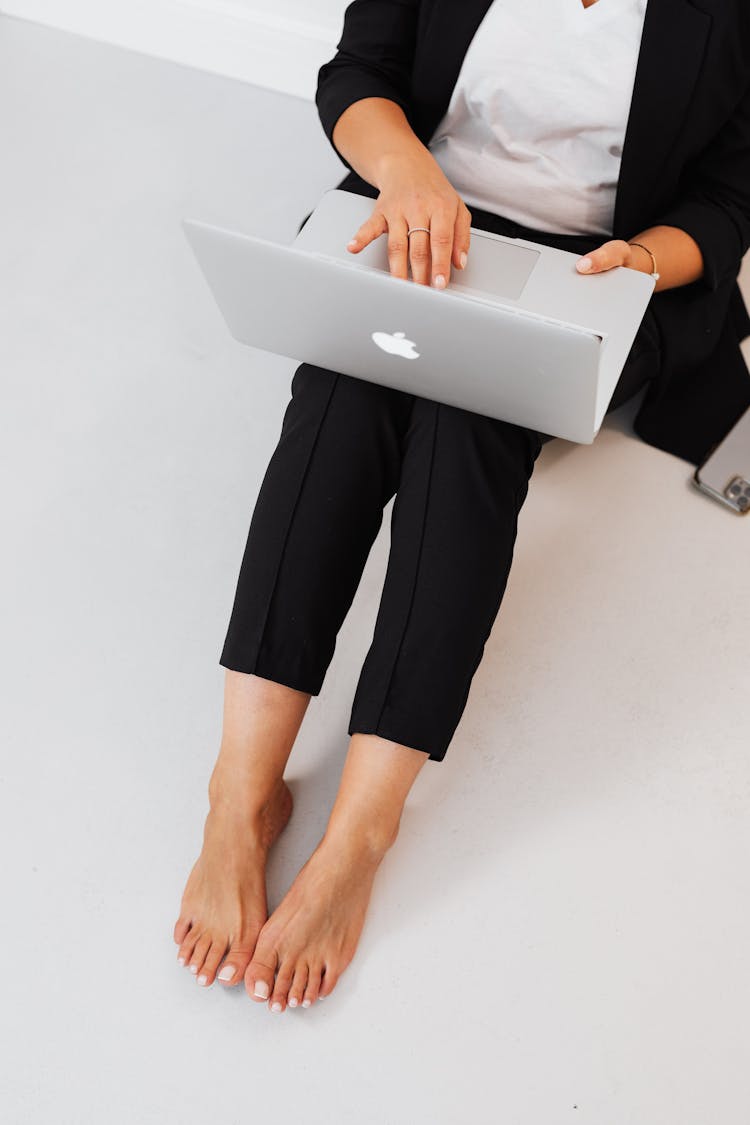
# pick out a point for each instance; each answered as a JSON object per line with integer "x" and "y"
{"x": 414, "y": 192}
{"x": 613, "y": 253}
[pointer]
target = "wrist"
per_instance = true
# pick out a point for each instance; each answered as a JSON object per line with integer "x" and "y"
{"x": 393, "y": 160}
{"x": 640, "y": 258}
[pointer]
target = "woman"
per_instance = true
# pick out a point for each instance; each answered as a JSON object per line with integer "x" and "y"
{"x": 623, "y": 133}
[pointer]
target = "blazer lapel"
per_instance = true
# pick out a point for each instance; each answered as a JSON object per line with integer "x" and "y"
{"x": 450, "y": 29}
{"x": 673, "y": 43}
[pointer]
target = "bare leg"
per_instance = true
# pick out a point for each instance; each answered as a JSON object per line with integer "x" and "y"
{"x": 224, "y": 904}
{"x": 312, "y": 935}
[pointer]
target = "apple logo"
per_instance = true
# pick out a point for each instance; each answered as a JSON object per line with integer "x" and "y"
{"x": 395, "y": 344}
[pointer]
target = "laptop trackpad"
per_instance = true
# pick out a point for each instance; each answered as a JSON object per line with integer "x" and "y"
{"x": 495, "y": 268}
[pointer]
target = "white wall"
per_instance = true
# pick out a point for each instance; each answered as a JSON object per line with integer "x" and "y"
{"x": 322, "y": 10}
{"x": 279, "y": 44}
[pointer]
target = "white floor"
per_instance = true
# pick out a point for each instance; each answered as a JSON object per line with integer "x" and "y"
{"x": 561, "y": 932}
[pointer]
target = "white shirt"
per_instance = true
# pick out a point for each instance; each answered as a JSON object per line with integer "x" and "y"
{"x": 536, "y": 122}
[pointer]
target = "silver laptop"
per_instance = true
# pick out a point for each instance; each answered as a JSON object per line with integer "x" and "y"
{"x": 518, "y": 335}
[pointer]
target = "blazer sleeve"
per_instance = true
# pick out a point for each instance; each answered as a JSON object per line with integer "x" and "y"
{"x": 715, "y": 208}
{"x": 373, "y": 60}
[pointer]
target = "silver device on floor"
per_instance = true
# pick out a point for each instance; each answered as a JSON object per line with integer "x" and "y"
{"x": 518, "y": 334}
{"x": 724, "y": 474}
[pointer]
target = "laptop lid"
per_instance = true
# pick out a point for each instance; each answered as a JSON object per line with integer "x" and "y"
{"x": 467, "y": 351}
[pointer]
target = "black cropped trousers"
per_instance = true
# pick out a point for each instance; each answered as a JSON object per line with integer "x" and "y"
{"x": 460, "y": 478}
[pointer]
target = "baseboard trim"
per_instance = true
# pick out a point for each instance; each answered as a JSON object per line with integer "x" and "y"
{"x": 220, "y": 36}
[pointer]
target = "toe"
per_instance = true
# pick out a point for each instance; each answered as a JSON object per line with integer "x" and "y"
{"x": 189, "y": 942}
{"x": 278, "y": 998}
{"x": 202, "y": 947}
{"x": 235, "y": 963}
{"x": 312, "y": 991}
{"x": 259, "y": 980}
{"x": 260, "y": 972}
{"x": 182, "y": 925}
{"x": 328, "y": 981}
{"x": 207, "y": 975}
{"x": 297, "y": 989}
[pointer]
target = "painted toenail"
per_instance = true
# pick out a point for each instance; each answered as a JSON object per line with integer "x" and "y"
{"x": 261, "y": 989}
{"x": 305, "y": 1003}
{"x": 193, "y": 968}
{"x": 276, "y": 1007}
{"x": 227, "y": 972}
{"x": 292, "y": 1002}
{"x": 202, "y": 978}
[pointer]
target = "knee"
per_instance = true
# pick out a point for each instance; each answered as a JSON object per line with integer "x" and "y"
{"x": 504, "y": 453}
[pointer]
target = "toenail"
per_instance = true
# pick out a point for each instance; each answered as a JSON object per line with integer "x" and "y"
{"x": 292, "y": 1002}
{"x": 305, "y": 1003}
{"x": 202, "y": 978}
{"x": 276, "y": 1007}
{"x": 227, "y": 972}
{"x": 193, "y": 968}
{"x": 261, "y": 989}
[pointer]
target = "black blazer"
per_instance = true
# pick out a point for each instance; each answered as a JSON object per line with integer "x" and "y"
{"x": 685, "y": 163}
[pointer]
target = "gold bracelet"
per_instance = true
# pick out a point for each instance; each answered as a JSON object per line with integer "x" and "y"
{"x": 653, "y": 274}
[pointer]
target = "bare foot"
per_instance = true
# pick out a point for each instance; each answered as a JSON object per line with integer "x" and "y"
{"x": 313, "y": 933}
{"x": 224, "y": 904}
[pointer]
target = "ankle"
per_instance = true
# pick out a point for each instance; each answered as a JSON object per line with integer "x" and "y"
{"x": 241, "y": 792}
{"x": 360, "y": 835}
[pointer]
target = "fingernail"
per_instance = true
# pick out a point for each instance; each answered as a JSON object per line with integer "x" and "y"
{"x": 227, "y": 972}
{"x": 293, "y": 1002}
{"x": 261, "y": 989}
{"x": 193, "y": 968}
{"x": 584, "y": 264}
{"x": 462, "y": 259}
{"x": 276, "y": 1007}
{"x": 305, "y": 1003}
{"x": 440, "y": 282}
{"x": 352, "y": 242}
{"x": 180, "y": 960}
{"x": 202, "y": 978}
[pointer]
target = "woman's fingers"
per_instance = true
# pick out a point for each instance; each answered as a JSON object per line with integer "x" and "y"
{"x": 372, "y": 228}
{"x": 616, "y": 252}
{"x": 398, "y": 243}
{"x": 461, "y": 237}
{"x": 428, "y": 252}
{"x": 398, "y": 247}
{"x": 442, "y": 233}
{"x": 419, "y": 250}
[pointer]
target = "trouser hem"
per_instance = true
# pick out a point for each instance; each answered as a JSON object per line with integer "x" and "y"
{"x": 435, "y": 749}
{"x": 298, "y": 681}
